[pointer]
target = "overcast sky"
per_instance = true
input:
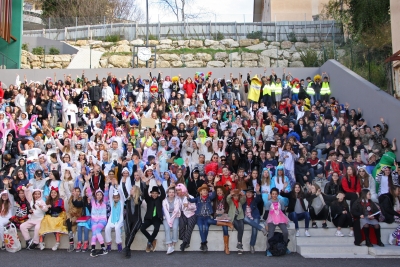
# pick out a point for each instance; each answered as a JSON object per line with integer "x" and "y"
{"x": 224, "y": 10}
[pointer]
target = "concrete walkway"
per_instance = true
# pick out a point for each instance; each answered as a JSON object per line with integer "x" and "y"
{"x": 83, "y": 57}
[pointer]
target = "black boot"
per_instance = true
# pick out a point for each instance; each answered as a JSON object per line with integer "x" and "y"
{"x": 183, "y": 246}
{"x": 205, "y": 247}
{"x": 378, "y": 237}
{"x": 367, "y": 240}
{"x": 127, "y": 253}
{"x": 202, "y": 246}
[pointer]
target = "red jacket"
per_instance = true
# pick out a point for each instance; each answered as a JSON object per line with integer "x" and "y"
{"x": 189, "y": 88}
{"x": 354, "y": 187}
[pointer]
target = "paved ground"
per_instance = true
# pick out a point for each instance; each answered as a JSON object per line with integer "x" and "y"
{"x": 62, "y": 258}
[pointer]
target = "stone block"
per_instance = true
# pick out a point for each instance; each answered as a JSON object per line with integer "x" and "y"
{"x": 249, "y": 64}
{"x": 297, "y": 64}
{"x": 176, "y": 64}
{"x": 220, "y": 56}
{"x": 194, "y": 64}
{"x": 272, "y": 53}
{"x": 215, "y": 64}
{"x": 208, "y": 42}
{"x": 260, "y": 46}
{"x": 187, "y": 57}
{"x": 195, "y": 43}
{"x": 166, "y": 42}
{"x": 120, "y": 61}
{"x": 286, "y": 45}
{"x": 203, "y": 57}
{"x": 249, "y": 56}
{"x": 137, "y": 42}
{"x": 265, "y": 61}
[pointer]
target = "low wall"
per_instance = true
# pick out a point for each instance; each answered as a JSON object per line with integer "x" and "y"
{"x": 8, "y": 76}
{"x": 46, "y": 43}
{"x": 347, "y": 86}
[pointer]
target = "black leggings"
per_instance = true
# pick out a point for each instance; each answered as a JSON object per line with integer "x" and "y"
{"x": 131, "y": 229}
{"x": 69, "y": 228}
{"x": 186, "y": 226}
{"x": 343, "y": 221}
{"x": 239, "y": 226}
{"x": 322, "y": 215}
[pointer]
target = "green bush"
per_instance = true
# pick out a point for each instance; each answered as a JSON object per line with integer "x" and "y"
{"x": 304, "y": 39}
{"x": 112, "y": 38}
{"x": 255, "y": 35}
{"x": 54, "y": 51}
{"x": 25, "y": 46}
{"x": 220, "y": 36}
{"x": 309, "y": 57}
{"x": 38, "y": 50}
{"x": 152, "y": 37}
{"x": 292, "y": 37}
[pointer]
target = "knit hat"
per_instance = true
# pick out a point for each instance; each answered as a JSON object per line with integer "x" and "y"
{"x": 155, "y": 189}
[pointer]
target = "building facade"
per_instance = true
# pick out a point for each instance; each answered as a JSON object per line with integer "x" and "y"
{"x": 287, "y": 10}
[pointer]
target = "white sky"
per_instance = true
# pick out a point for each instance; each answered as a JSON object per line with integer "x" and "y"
{"x": 224, "y": 10}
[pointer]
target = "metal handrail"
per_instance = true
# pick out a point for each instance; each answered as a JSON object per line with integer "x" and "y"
{"x": 7, "y": 63}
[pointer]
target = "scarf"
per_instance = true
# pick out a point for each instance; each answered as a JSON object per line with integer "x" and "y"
{"x": 204, "y": 198}
{"x": 236, "y": 202}
{"x": 220, "y": 198}
{"x": 249, "y": 200}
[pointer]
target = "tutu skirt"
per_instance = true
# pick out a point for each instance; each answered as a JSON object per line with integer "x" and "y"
{"x": 276, "y": 216}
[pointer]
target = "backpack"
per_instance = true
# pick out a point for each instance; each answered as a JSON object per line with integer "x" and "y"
{"x": 277, "y": 246}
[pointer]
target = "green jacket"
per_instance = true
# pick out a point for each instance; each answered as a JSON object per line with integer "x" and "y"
{"x": 232, "y": 207}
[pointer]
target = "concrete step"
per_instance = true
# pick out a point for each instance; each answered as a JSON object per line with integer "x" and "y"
{"x": 347, "y": 250}
{"x": 324, "y": 240}
{"x": 389, "y": 251}
{"x": 336, "y": 256}
{"x": 215, "y": 240}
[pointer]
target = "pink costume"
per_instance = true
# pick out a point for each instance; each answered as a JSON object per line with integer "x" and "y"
{"x": 276, "y": 216}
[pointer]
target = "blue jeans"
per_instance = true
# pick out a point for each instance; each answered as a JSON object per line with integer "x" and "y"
{"x": 296, "y": 217}
{"x": 224, "y": 228}
{"x": 203, "y": 223}
{"x": 255, "y": 224}
{"x": 317, "y": 97}
{"x": 175, "y": 230}
{"x": 86, "y": 232}
{"x": 295, "y": 97}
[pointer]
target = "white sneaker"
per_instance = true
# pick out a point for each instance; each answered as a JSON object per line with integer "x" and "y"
{"x": 298, "y": 233}
{"x": 42, "y": 246}
{"x": 351, "y": 233}
{"x": 170, "y": 250}
{"x": 339, "y": 233}
{"x": 55, "y": 247}
{"x": 307, "y": 234}
{"x": 391, "y": 239}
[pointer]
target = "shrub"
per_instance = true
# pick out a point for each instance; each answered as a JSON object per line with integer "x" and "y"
{"x": 152, "y": 37}
{"x": 292, "y": 37}
{"x": 38, "y": 50}
{"x": 309, "y": 57}
{"x": 112, "y": 38}
{"x": 54, "y": 51}
{"x": 25, "y": 46}
{"x": 255, "y": 35}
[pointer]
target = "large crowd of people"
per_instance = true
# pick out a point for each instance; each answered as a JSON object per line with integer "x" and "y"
{"x": 105, "y": 154}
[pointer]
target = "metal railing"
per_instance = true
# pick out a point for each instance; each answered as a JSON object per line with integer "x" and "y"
{"x": 7, "y": 63}
{"x": 302, "y": 31}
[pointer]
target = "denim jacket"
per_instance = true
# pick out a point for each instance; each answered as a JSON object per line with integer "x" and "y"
{"x": 199, "y": 203}
{"x": 255, "y": 213}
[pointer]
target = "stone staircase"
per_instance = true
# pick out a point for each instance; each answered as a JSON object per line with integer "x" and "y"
{"x": 324, "y": 244}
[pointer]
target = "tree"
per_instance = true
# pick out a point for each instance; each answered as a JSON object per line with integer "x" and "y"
{"x": 179, "y": 9}
{"x": 63, "y": 13}
{"x": 367, "y": 21}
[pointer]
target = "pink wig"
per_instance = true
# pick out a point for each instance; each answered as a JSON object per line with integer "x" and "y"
{"x": 181, "y": 187}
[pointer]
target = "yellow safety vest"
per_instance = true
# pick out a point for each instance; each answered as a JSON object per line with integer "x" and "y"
{"x": 267, "y": 89}
{"x": 272, "y": 86}
{"x": 295, "y": 89}
{"x": 325, "y": 89}
{"x": 310, "y": 90}
{"x": 278, "y": 88}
